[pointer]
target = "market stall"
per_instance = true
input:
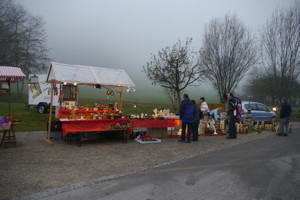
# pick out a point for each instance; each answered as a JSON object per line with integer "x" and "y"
{"x": 114, "y": 80}
{"x": 78, "y": 119}
{"x": 9, "y": 75}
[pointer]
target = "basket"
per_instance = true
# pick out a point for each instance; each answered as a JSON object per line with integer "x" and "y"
{"x": 5, "y": 126}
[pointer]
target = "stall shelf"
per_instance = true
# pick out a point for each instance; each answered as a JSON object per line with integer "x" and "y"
{"x": 85, "y": 113}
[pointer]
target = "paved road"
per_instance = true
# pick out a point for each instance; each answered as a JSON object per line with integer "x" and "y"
{"x": 268, "y": 168}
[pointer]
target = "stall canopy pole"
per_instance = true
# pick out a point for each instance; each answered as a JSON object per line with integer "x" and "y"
{"x": 120, "y": 98}
{"x": 50, "y": 114}
{"x": 9, "y": 99}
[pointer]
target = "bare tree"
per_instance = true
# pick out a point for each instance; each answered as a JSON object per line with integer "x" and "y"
{"x": 280, "y": 51}
{"x": 22, "y": 40}
{"x": 227, "y": 54}
{"x": 172, "y": 97}
{"x": 6, "y": 35}
{"x": 174, "y": 68}
{"x": 259, "y": 87}
{"x": 34, "y": 51}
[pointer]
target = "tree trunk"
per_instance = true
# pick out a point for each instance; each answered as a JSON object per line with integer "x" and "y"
{"x": 178, "y": 99}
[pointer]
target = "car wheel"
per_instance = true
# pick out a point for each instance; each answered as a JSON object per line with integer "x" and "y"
{"x": 42, "y": 109}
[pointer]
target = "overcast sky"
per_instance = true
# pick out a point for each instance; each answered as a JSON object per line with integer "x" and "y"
{"x": 123, "y": 33}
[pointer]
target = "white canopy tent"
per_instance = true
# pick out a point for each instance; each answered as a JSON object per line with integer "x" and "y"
{"x": 87, "y": 75}
{"x": 59, "y": 73}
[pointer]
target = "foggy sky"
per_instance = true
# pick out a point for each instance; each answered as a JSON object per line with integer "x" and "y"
{"x": 122, "y": 34}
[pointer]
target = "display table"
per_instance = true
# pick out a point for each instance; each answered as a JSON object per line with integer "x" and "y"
{"x": 103, "y": 124}
{"x": 155, "y": 127}
{"x": 154, "y": 123}
{"x": 9, "y": 135}
{"x": 79, "y": 126}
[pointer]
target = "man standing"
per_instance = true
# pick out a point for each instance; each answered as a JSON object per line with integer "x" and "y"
{"x": 204, "y": 107}
{"x": 232, "y": 113}
{"x": 187, "y": 110}
{"x": 285, "y": 114}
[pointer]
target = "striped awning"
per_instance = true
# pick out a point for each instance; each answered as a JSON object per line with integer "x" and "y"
{"x": 11, "y": 74}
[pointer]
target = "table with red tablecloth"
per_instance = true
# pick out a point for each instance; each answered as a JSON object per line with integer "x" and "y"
{"x": 78, "y": 126}
{"x": 70, "y": 126}
{"x": 155, "y": 127}
{"x": 106, "y": 124}
{"x": 154, "y": 123}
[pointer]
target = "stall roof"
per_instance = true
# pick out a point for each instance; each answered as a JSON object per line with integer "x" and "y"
{"x": 10, "y": 73}
{"x": 87, "y": 75}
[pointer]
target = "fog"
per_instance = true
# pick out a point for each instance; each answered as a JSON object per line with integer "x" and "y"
{"x": 122, "y": 34}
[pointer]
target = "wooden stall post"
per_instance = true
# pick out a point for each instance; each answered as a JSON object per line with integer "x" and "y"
{"x": 50, "y": 115}
{"x": 9, "y": 98}
{"x": 120, "y": 98}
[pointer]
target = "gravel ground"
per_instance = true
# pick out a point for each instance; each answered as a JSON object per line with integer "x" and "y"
{"x": 34, "y": 166}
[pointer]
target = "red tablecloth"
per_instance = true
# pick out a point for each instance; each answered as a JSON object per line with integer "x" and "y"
{"x": 154, "y": 123}
{"x": 91, "y": 125}
{"x": 104, "y": 124}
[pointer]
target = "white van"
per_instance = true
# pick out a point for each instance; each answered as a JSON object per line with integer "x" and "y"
{"x": 39, "y": 93}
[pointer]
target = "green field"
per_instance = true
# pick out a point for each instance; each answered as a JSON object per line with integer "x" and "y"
{"x": 33, "y": 121}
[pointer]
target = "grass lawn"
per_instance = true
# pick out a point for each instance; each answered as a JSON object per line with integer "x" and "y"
{"x": 31, "y": 119}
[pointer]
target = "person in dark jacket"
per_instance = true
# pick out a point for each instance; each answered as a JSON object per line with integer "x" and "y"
{"x": 195, "y": 124}
{"x": 186, "y": 110}
{"x": 285, "y": 114}
{"x": 232, "y": 113}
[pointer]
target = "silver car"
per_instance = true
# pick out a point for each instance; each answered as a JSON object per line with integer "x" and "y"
{"x": 260, "y": 112}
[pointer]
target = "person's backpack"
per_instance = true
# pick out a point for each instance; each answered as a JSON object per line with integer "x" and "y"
{"x": 239, "y": 109}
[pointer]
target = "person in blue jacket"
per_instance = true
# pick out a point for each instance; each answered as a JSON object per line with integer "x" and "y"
{"x": 195, "y": 124}
{"x": 215, "y": 113}
{"x": 186, "y": 110}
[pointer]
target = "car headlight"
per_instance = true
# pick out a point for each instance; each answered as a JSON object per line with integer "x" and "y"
{"x": 274, "y": 109}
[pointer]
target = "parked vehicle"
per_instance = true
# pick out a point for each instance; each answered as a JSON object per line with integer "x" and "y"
{"x": 260, "y": 112}
{"x": 39, "y": 93}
